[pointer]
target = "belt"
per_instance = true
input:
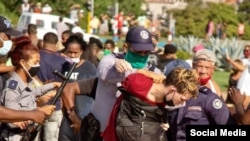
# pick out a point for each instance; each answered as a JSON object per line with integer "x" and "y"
{"x": 16, "y": 130}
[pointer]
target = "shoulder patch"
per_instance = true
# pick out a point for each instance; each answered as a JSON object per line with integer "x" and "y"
{"x": 217, "y": 103}
{"x": 12, "y": 84}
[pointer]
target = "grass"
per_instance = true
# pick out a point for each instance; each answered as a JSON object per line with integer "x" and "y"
{"x": 221, "y": 77}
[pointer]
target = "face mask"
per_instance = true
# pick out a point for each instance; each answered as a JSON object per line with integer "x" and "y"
{"x": 34, "y": 69}
{"x": 170, "y": 103}
{"x": 4, "y": 50}
{"x": 75, "y": 60}
{"x": 204, "y": 81}
{"x": 246, "y": 54}
{"x": 136, "y": 61}
{"x": 107, "y": 52}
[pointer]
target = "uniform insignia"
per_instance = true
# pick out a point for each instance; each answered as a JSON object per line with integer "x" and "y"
{"x": 217, "y": 103}
{"x": 12, "y": 84}
{"x": 144, "y": 34}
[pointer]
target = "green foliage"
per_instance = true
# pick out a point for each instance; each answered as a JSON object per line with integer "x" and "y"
{"x": 193, "y": 19}
{"x": 244, "y": 11}
{"x": 183, "y": 55}
{"x": 11, "y": 16}
{"x": 221, "y": 77}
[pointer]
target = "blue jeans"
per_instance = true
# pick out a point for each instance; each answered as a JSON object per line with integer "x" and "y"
{"x": 83, "y": 106}
{"x": 51, "y": 126}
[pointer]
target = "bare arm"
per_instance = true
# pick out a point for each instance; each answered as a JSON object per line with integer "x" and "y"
{"x": 4, "y": 68}
{"x": 9, "y": 115}
{"x": 86, "y": 87}
{"x": 234, "y": 64}
{"x": 242, "y": 114}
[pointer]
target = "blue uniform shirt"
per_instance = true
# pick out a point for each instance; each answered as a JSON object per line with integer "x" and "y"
{"x": 207, "y": 108}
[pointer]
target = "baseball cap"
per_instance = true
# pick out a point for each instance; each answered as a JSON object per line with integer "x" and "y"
{"x": 140, "y": 39}
{"x": 198, "y": 47}
{"x": 205, "y": 54}
{"x": 5, "y": 26}
{"x": 174, "y": 64}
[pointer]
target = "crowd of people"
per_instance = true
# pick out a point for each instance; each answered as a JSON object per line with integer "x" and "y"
{"x": 139, "y": 93}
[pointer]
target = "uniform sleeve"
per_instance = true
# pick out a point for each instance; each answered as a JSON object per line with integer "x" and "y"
{"x": 10, "y": 98}
{"x": 106, "y": 70}
{"x": 217, "y": 110}
{"x": 43, "y": 89}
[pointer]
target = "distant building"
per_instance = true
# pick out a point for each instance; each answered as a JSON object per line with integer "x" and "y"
{"x": 157, "y": 6}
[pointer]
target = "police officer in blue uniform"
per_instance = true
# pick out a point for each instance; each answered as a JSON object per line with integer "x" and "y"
{"x": 208, "y": 108}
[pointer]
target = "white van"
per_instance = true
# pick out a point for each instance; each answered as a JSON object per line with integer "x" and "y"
{"x": 45, "y": 23}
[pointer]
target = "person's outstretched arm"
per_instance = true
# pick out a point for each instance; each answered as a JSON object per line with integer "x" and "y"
{"x": 9, "y": 115}
{"x": 87, "y": 87}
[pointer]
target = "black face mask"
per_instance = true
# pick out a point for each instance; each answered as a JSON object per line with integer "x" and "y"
{"x": 34, "y": 70}
{"x": 169, "y": 103}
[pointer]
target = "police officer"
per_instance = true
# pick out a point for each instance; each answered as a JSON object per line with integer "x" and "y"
{"x": 20, "y": 92}
{"x": 207, "y": 108}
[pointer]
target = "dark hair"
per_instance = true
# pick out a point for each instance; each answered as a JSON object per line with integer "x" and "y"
{"x": 50, "y": 38}
{"x": 75, "y": 38}
{"x": 109, "y": 41}
{"x": 23, "y": 49}
{"x": 32, "y": 29}
{"x": 69, "y": 32}
{"x": 170, "y": 49}
{"x": 97, "y": 42}
{"x": 60, "y": 19}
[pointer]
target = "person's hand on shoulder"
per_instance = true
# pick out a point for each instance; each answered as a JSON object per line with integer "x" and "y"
{"x": 157, "y": 78}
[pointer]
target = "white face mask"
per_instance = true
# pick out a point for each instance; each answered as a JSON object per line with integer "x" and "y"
{"x": 75, "y": 60}
{"x": 4, "y": 50}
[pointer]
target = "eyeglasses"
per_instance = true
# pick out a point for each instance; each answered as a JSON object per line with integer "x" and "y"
{"x": 245, "y": 50}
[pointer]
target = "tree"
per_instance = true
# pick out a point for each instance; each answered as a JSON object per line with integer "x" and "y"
{"x": 193, "y": 19}
{"x": 244, "y": 11}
